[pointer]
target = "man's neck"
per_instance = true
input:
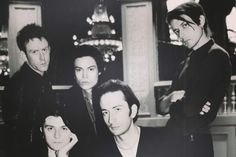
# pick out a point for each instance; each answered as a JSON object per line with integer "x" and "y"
{"x": 204, "y": 39}
{"x": 129, "y": 139}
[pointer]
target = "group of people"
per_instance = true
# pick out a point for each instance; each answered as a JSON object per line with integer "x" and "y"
{"x": 97, "y": 118}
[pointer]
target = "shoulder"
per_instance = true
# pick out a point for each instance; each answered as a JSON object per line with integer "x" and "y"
{"x": 74, "y": 91}
{"x": 218, "y": 51}
{"x": 217, "y": 57}
{"x": 72, "y": 96}
{"x": 17, "y": 80}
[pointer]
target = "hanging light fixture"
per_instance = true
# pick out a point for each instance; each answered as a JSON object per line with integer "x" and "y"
{"x": 102, "y": 35}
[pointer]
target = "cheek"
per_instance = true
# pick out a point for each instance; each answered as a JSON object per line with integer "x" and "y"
{"x": 105, "y": 118}
{"x": 48, "y": 138}
{"x": 47, "y": 56}
{"x": 78, "y": 75}
{"x": 66, "y": 138}
{"x": 94, "y": 76}
{"x": 32, "y": 59}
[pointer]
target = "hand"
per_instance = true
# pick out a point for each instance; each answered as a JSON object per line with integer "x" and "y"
{"x": 176, "y": 95}
{"x": 63, "y": 152}
{"x": 206, "y": 108}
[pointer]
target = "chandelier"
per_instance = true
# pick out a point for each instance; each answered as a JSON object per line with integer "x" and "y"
{"x": 101, "y": 35}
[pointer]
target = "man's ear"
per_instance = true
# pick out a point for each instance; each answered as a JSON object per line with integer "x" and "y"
{"x": 40, "y": 129}
{"x": 23, "y": 54}
{"x": 134, "y": 110}
{"x": 202, "y": 20}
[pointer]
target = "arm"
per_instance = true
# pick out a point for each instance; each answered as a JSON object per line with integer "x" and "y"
{"x": 168, "y": 100}
{"x": 207, "y": 85}
{"x": 64, "y": 152}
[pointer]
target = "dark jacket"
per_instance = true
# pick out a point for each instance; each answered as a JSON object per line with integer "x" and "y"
{"x": 151, "y": 144}
{"x": 27, "y": 96}
{"x": 77, "y": 114}
{"x": 205, "y": 77}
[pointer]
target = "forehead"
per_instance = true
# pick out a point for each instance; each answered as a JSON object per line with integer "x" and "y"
{"x": 54, "y": 121}
{"x": 36, "y": 42}
{"x": 113, "y": 99}
{"x": 85, "y": 60}
{"x": 178, "y": 22}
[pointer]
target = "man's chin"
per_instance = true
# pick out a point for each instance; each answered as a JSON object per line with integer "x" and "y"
{"x": 43, "y": 69}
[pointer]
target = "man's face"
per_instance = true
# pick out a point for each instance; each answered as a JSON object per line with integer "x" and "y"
{"x": 116, "y": 112}
{"x": 38, "y": 54}
{"x": 188, "y": 33}
{"x": 86, "y": 72}
{"x": 56, "y": 133}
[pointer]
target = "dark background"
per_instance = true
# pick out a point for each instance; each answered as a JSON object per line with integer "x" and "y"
{"x": 64, "y": 18}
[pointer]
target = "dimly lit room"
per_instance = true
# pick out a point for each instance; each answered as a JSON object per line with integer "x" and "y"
{"x": 143, "y": 47}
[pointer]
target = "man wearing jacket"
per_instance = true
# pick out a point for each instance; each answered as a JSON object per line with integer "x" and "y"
{"x": 28, "y": 93}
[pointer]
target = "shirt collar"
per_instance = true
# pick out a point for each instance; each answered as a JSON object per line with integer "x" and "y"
{"x": 201, "y": 50}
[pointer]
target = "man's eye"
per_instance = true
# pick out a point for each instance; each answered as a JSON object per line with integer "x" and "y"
{"x": 78, "y": 69}
{"x": 91, "y": 69}
{"x": 45, "y": 49}
{"x": 118, "y": 109}
{"x": 49, "y": 128}
{"x": 104, "y": 113}
{"x": 65, "y": 128}
{"x": 176, "y": 31}
{"x": 184, "y": 25}
{"x": 34, "y": 51}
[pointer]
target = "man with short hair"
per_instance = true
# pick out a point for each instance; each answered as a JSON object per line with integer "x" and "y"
{"x": 28, "y": 92}
{"x": 120, "y": 107}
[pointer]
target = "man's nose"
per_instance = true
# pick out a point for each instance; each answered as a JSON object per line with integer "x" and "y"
{"x": 85, "y": 74}
{"x": 111, "y": 119}
{"x": 181, "y": 35}
{"x": 42, "y": 56}
{"x": 57, "y": 134}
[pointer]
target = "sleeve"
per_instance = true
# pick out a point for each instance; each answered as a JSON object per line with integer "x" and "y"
{"x": 174, "y": 86}
{"x": 210, "y": 85}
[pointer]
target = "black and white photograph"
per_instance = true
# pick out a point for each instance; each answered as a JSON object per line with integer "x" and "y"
{"x": 117, "y": 78}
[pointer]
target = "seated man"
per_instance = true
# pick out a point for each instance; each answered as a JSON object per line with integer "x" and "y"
{"x": 119, "y": 107}
{"x": 58, "y": 138}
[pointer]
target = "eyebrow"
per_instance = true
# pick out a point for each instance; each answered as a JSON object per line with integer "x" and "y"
{"x": 184, "y": 20}
{"x": 53, "y": 126}
{"x": 92, "y": 66}
{"x": 113, "y": 107}
{"x": 87, "y": 67}
{"x": 46, "y": 125}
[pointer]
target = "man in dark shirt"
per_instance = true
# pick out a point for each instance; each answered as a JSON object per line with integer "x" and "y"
{"x": 119, "y": 107}
{"x": 203, "y": 77}
{"x": 28, "y": 93}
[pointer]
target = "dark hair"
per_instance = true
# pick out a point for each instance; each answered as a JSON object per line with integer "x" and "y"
{"x": 191, "y": 9}
{"x": 117, "y": 85}
{"x": 28, "y": 32}
{"x": 56, "y": 112}
{"x": 86, "y": 50}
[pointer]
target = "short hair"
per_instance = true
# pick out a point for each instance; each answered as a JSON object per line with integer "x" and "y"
{"x": 191, "y": 9}
{"x": 29, "y": 32}
{"x": 113, "y": 85}
{"x": 87, "y": 50}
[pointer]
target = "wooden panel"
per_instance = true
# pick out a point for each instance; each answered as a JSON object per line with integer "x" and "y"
{"x": 19, "y": 16}
{"x": 224, "y": 141}
{"x": 139, "y": 55}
